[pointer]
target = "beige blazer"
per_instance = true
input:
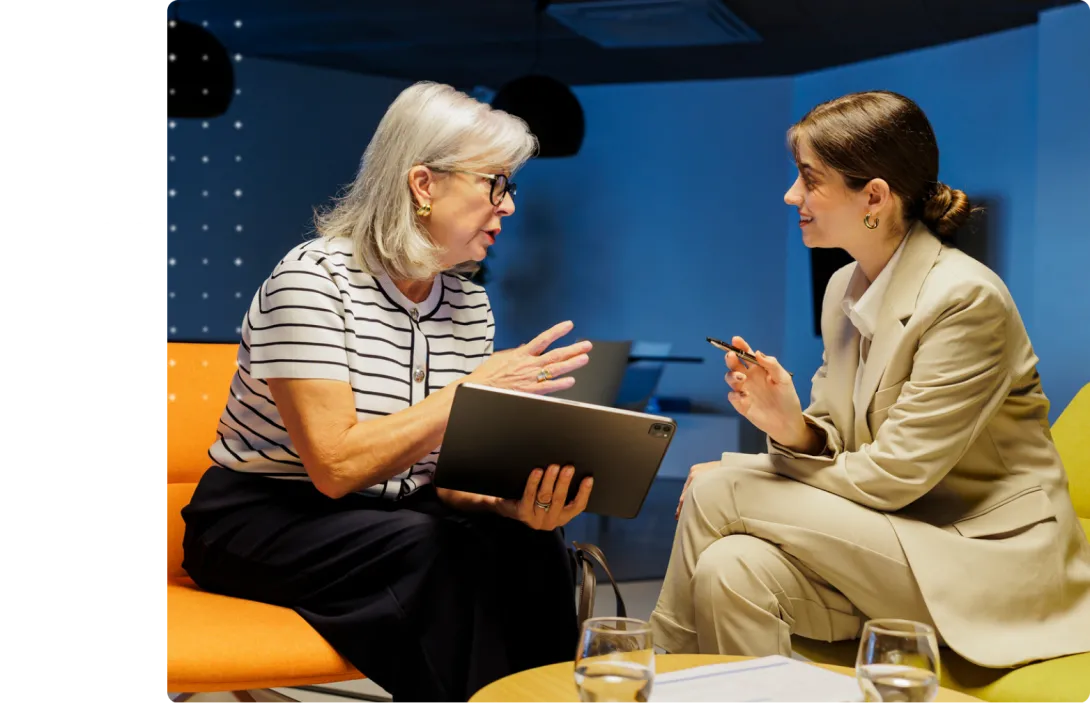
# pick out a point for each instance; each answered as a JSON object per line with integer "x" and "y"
{"x": 948, "y": 434}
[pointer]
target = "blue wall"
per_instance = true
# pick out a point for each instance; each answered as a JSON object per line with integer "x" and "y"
{"x": 669, "y": 225}
{"x": 302, "y": 133}
{"x": 652, "y": 232}
{"x": 1061, "y": 263}
{"x": 980, "y": 96}
{"x": 665, "y": 227}
{"x": 1009, "y": 110}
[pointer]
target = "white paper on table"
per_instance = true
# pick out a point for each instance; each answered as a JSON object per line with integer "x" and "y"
{"x": 772, "y": 678}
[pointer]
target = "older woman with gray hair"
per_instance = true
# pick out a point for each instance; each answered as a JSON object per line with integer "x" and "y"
{"x": 320, "y": 496}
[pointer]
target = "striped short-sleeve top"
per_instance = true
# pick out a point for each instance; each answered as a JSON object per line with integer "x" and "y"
{"x": 318, "y": 315}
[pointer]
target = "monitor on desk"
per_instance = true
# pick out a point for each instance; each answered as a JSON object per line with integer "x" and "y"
{"x": 599, "y": 381}
{"x": 622, "y": 374}
{"x": 642, "y": 377}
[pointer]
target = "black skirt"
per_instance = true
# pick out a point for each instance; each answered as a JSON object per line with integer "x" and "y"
{"x": 429, "y": 602}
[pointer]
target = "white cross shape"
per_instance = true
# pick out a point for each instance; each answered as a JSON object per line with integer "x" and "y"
{"x": 108, "y": 228}
{"x": 140, "y": 397}
{"x": 137, "y": 125}
{"x": 106, "y": 362}
{"x": 140, "y": 363}
{"x": 105, "y": 123}
{"x": 105, "y": 263}
{"x": 140, "y": 92}
{"x": 140, "y": 227}
{"x": 106, "y": 397}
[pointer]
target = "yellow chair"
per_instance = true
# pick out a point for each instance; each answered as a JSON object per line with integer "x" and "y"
{"x": 216, "y": 643}
{"x": 1063, "y": 679}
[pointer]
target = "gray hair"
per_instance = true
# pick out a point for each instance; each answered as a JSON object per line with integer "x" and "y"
{"x": 430, "y": 124}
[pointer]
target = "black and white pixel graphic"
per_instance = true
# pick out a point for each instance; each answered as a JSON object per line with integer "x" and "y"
{"x": 80, "y": 219}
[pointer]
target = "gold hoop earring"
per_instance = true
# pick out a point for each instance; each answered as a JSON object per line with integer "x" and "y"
{"x": 866, "y": 222}
{"x": 424, "y": 210}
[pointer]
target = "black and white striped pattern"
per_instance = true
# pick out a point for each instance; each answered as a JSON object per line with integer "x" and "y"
{"x": 319, "y": 316}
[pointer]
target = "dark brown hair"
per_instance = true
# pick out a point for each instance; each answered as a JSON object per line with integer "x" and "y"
{"x": 879, "y": 134}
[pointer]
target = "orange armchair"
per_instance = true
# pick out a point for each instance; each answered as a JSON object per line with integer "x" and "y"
{"x": 217, "y": 643}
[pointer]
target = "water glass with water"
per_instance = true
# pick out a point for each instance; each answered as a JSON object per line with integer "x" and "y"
{"x": 615, "y": 660}
{"x": 898, "y": 661}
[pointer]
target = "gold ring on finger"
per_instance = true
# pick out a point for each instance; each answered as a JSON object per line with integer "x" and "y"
{"x": 544, "y": 375}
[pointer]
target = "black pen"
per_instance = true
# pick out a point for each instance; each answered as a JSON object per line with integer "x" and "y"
{"x": 743, "y": 355}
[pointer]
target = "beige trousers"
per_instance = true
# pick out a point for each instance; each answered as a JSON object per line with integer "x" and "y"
{"x": 758, "y": 557}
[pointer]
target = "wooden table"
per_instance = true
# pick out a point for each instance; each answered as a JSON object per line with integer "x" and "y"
{"x": 556, "y": 682}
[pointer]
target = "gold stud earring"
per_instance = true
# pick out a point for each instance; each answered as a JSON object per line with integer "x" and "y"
{"x": 424, "y": 210}
{"x": 867, "y": 223}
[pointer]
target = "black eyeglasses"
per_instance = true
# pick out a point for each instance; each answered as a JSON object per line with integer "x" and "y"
{"x": 501, "y": 184}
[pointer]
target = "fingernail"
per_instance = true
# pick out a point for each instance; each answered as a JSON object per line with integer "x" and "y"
{"x": 568, "y": 472}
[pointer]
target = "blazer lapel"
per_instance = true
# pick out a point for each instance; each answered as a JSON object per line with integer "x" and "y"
{"x": 843, "y": 380}
{"x": 842, "y": 361}
{"x": 899, "y": 303}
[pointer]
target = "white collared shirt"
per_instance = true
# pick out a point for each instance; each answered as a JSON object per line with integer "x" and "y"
{"x": 862, "y": 303}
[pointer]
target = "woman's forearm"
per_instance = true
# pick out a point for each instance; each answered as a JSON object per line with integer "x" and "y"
{"x": 469, "y": 502}
{"x": 801, "y": 438}
{"x": 369, "y": 452}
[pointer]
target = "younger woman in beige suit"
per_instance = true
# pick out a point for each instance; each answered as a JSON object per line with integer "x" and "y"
{"x": 921, "y": 482}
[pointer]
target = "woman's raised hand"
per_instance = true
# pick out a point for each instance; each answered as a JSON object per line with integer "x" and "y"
{"x": 531, "y": 368}
{"x": 764, "y": 394}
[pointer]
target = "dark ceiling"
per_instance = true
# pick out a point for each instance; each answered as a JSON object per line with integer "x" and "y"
{"x": 487, "y": 42}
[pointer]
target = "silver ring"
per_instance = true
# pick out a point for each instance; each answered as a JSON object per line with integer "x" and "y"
{"x": 543, "y": 506}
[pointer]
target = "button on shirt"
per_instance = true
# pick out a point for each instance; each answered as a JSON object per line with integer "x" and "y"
{"x": 320, "y": 316}
{"x": 863, "y": 302}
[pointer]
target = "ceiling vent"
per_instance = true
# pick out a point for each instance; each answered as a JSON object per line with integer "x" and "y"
{"x": 632, "y": 24}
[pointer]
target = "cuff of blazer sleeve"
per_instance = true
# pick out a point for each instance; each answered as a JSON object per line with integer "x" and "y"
{"x": 827, "y": 432}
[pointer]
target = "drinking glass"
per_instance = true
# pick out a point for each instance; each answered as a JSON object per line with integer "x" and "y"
{"x": 615, "y": 660}
{"x": 898, "y": 661}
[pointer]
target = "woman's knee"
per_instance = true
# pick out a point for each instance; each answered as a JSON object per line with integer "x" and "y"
{"x": 715, "y": 490}
{"x": 737, "y": 566}
{"x": 725, "y": 493}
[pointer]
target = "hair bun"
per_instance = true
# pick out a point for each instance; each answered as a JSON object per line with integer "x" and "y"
{"x": 946, "y": 210}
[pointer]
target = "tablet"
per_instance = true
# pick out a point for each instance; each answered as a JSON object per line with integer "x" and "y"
{"x": 495, "y": 438}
